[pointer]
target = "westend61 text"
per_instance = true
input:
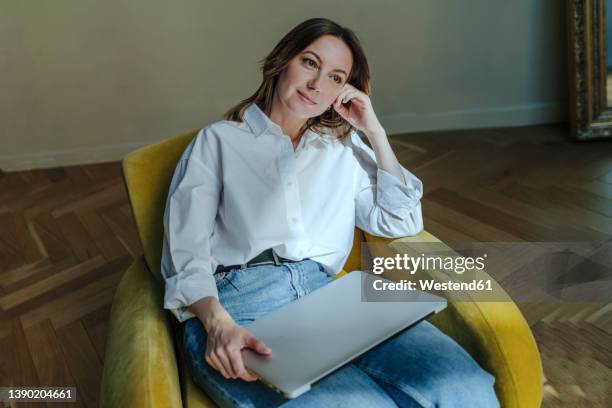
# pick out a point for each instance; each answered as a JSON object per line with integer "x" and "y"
{"x": 429, "y": 284}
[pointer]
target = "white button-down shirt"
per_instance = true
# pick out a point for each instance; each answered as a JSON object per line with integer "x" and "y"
{"x": 240, "y": 188}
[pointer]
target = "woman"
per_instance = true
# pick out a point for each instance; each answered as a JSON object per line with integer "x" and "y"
{"x": 261, "y": 211}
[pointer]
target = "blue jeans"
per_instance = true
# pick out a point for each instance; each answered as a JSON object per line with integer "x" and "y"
{"x": 421, "y": 367}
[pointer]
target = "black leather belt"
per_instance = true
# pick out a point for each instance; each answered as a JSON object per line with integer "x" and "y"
{"x": 267, "y": 257}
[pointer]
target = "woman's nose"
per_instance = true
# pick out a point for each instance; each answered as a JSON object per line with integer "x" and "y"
{"x": 313, "y": 84}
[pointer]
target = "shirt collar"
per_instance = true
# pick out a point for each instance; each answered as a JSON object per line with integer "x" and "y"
{"x": 259, "y": 123}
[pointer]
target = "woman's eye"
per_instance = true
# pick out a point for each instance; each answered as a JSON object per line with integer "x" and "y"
{"x": 339, "y": 79}
{"x": 307, "y": 60}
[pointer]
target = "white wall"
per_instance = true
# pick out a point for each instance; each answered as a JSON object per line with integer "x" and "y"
{"x": 84, "y": 81}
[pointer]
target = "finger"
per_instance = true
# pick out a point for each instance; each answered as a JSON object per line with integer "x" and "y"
{"x": 249, "y": 376}
{"x": 227, "y": 364}
{"x": 210, "y": 346}
{"x": 339, "y": 99}
{"x": 342, "y": 110}
{"x": 209, "y": 359}
{"x": 258, "y": 345}
{"x": 347, "y": 97}
{"x": 216, "y": 364}
{"x": 210, "y": 362}
{"x": 348, "y": 87}
{"x": 254, "y": 375}
{"x": 335, "y": 102}
{"x": 235, "y": 360}
{"x": 352, "y": 96}
{"x": 222, "y": 364}
{"x": 238, "y": 365}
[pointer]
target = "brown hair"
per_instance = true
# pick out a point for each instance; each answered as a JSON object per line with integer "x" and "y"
{"x": 291, "y": 45}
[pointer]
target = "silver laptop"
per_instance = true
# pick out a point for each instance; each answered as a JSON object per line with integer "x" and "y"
{"x": 320, "y": 332}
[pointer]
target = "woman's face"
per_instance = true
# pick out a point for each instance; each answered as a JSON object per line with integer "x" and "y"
{"x": 319, "y": 73}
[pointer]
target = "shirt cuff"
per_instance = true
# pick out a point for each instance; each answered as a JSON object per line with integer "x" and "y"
{"x": 181, "y": 293}
{"x": 395, "y": 196}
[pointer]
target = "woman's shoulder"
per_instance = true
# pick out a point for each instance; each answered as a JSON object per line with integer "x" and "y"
{"x": 217, "y": 132}
{"x": 223, "y": 126}
{"x": 210, "y": 138}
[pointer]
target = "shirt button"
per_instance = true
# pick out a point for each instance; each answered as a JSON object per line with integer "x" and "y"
{"x": 294, "y": 219}
{"x": 290, "y": 183}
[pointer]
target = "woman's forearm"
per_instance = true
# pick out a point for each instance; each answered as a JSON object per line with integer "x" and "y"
{"x": 210, "y": 312}
{"x": 385, "y": 157}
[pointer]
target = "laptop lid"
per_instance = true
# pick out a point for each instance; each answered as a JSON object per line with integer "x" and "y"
{"x": 320, "y": 332}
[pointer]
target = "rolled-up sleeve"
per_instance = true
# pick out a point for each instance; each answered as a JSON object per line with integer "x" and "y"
{"x": 384, "y": 205}
{"x": 189, "y": 216}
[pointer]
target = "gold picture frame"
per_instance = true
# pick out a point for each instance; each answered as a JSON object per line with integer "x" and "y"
{"x": 590, "y": 117}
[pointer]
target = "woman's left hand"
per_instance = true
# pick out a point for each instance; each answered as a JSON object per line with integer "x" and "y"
{"x": 359, "y": 113}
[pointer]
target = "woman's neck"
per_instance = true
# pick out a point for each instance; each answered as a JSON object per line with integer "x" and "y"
{"x": 291, "y": 126}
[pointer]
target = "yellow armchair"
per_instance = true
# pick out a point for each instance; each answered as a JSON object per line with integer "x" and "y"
{"x": 143, "y": 364}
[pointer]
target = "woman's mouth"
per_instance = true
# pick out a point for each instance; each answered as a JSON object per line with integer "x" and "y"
{"x": 305, "y": 99}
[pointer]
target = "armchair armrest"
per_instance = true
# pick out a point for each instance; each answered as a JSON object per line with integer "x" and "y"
{"x": 495, "y": 333}
{"x": 140, "y": 368}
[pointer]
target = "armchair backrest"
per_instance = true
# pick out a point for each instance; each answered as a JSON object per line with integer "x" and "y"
{"x": 147, "y": 173}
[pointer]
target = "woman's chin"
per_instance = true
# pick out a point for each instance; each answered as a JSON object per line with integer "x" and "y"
{"x": 306, "y": 112}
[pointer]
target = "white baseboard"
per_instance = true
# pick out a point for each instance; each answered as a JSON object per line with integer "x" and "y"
{"x": 68, "y": 157}
{"x": 522, "y": 115}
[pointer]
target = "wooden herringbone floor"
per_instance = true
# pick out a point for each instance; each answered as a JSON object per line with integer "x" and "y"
{"x": 67, "y": 235}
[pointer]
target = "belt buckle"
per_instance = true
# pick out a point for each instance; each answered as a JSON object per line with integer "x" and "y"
{"x": 276, "y": 261}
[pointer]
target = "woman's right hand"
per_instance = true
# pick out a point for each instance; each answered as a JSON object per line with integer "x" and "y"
{"x": 225, "y": 340}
